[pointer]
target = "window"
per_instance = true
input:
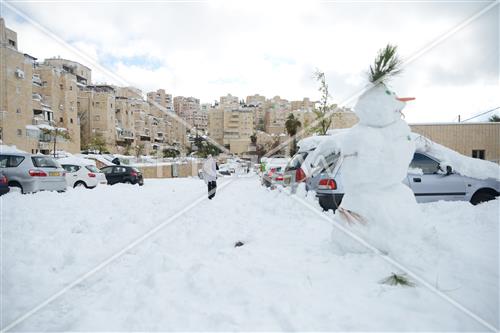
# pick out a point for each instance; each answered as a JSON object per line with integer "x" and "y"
{"x": 60, "y": 119}
{"x": 70, "y": 87}
{"x": 107, "y": 170}
{"x": 18, "y": 110}
{"x": 44, "y": 162}
{"x": 10, "y": 161}
{"x": 92, "y": 168}
{"x": 19, "y": 132}
{"x": 71, "y": 120}
{"x": 478, "y": 153}
{"x": 12, "y": 43}
{"x": 71, "y": 168}
{"x": 61, "y": 86}
{"x": 119, "y": 170}
{"x": 424, "y": 163}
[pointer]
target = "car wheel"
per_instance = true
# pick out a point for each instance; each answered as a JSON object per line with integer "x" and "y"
{"x": 483, "y": 196}
{"x": 80, "y": 184}
{"x": 16, "y": 187}
{"x": 128, "y": 182}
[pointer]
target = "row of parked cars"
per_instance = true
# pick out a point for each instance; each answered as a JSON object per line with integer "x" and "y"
{"x": 32, "y": 173}
{"x": 429, "y": 178}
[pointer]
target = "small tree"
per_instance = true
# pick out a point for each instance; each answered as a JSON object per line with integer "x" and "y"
{"x": 170, "y": 152}
{"x": 128, "y": 147}
{"x": 494, "y": 118}
{"x": 292, "y": 125}
{"x": 139, "y": 149}
{"x": 323, "y": 116}
{"x": 56, "y": 133}
{"x": 97, "y": 143}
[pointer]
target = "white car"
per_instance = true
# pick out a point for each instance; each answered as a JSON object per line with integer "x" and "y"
{"x": 82, "y": 172}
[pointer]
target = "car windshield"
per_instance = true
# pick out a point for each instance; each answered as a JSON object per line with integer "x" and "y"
{"x": 297, "y": 161}
{"x": 92, "y": 168}
{"x": 44, "y": 162}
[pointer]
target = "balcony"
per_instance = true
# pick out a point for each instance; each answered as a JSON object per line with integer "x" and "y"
{"x": 41, "y": 121}
{"x": 43, "y": 145}
{"x": 36, "y": 80}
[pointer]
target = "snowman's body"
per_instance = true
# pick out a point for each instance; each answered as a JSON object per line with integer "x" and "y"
{"x": 377, "y": 153}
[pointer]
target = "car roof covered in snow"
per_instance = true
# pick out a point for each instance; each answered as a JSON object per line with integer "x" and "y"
{"x": 73, "y": 160}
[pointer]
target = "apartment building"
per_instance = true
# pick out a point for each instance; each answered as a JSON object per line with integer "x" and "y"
{"x": 186, "y": 107}
{"x": 258, "y": 103}
{"x": 304, "y": 104}
{"x": 231, "y": 124}
{"x": 162, "y": 98}
{"x": 96, "y": 108}
{"x": 35, "y": 100}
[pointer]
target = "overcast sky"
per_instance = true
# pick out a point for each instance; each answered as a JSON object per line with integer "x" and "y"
{"x": 210, "y": 48}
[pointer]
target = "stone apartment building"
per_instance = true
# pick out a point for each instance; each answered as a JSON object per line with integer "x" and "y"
{"x": 231, "y": 124}
{"x": 35, "y": 99}
{"x": 186, "y": 108}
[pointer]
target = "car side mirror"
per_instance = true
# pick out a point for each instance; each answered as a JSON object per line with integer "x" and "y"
{"x": 445, "y": 169}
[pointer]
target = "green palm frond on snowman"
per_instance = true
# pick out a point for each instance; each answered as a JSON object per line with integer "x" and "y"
{"x": 387, "y": 64}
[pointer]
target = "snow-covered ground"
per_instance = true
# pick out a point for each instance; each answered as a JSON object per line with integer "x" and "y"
{"x": 189, "y": 275}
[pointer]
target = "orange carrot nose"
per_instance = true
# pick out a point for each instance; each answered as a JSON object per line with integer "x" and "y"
{"x": 405, "y": 99}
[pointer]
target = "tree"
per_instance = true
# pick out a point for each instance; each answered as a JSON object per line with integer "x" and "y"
{"x": 171, "y": 152}
{"x": 97, "y": 143}
{"x": 323, "y": 116}
{"x": 292, "y": 125}
{"x": 253, "y": 138}
{"x": 494, "y": 118}
{"x": 139, "y": 149}
{"x": 56, "y": 133}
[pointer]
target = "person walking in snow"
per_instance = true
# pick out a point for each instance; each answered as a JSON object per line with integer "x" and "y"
{"x": 210, "y": 175}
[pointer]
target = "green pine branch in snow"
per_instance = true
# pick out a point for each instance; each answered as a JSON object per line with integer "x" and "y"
{"x": 398, "y": 280}
{"x": 386, "y": 64}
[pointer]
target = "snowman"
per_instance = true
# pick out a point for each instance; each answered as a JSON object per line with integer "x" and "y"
{"x": 376, "y": 154}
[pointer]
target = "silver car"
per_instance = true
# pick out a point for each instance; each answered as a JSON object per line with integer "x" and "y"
{"x": 32, "y": 173}
{"x": 435, "y": 182}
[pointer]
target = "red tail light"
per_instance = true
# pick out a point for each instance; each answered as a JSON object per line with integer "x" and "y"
{"x": 133, "y": 174}
{"x": 279, "y": 178}
{"x": 91, "y": 175}
{"x": 3, "y": 180}
{"x": 300, "y": 175}
{"x": 37, "y": 173}
{"x": 327, "y": 184}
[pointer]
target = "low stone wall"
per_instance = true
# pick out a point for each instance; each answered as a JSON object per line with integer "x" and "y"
{"x": 174, "y": 170}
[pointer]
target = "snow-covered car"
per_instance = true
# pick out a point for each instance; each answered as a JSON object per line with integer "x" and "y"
{"x": 273, "y": 176}
{"x": 32, "y": 173}
{"x": 82, "y": 172}
{"x": 429, "y": 178}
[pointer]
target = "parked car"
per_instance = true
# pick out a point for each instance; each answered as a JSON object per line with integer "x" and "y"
{"x": 273, "y": 176}
{"x": 32, "y": 173}
{"x": 82, "y": 172}
{"x": 429, "y": 179}
{"x": 4, "y": 184}
{"x": 123, "y": 174}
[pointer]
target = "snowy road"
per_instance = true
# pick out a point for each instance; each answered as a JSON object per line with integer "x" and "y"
{"x": 189, "y": 276}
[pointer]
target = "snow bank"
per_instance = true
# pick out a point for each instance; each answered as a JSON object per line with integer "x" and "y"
{"x": 190, "y": 277}
{"x": 464, "y": 165}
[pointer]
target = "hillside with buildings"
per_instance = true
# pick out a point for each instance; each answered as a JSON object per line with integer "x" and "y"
{"x": 40, "y": 97}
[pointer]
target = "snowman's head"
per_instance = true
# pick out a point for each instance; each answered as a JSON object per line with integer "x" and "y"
{"x": 379, "y": 106}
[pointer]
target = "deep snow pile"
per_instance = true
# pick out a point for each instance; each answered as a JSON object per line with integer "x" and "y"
{"x": 190, "y": 276}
